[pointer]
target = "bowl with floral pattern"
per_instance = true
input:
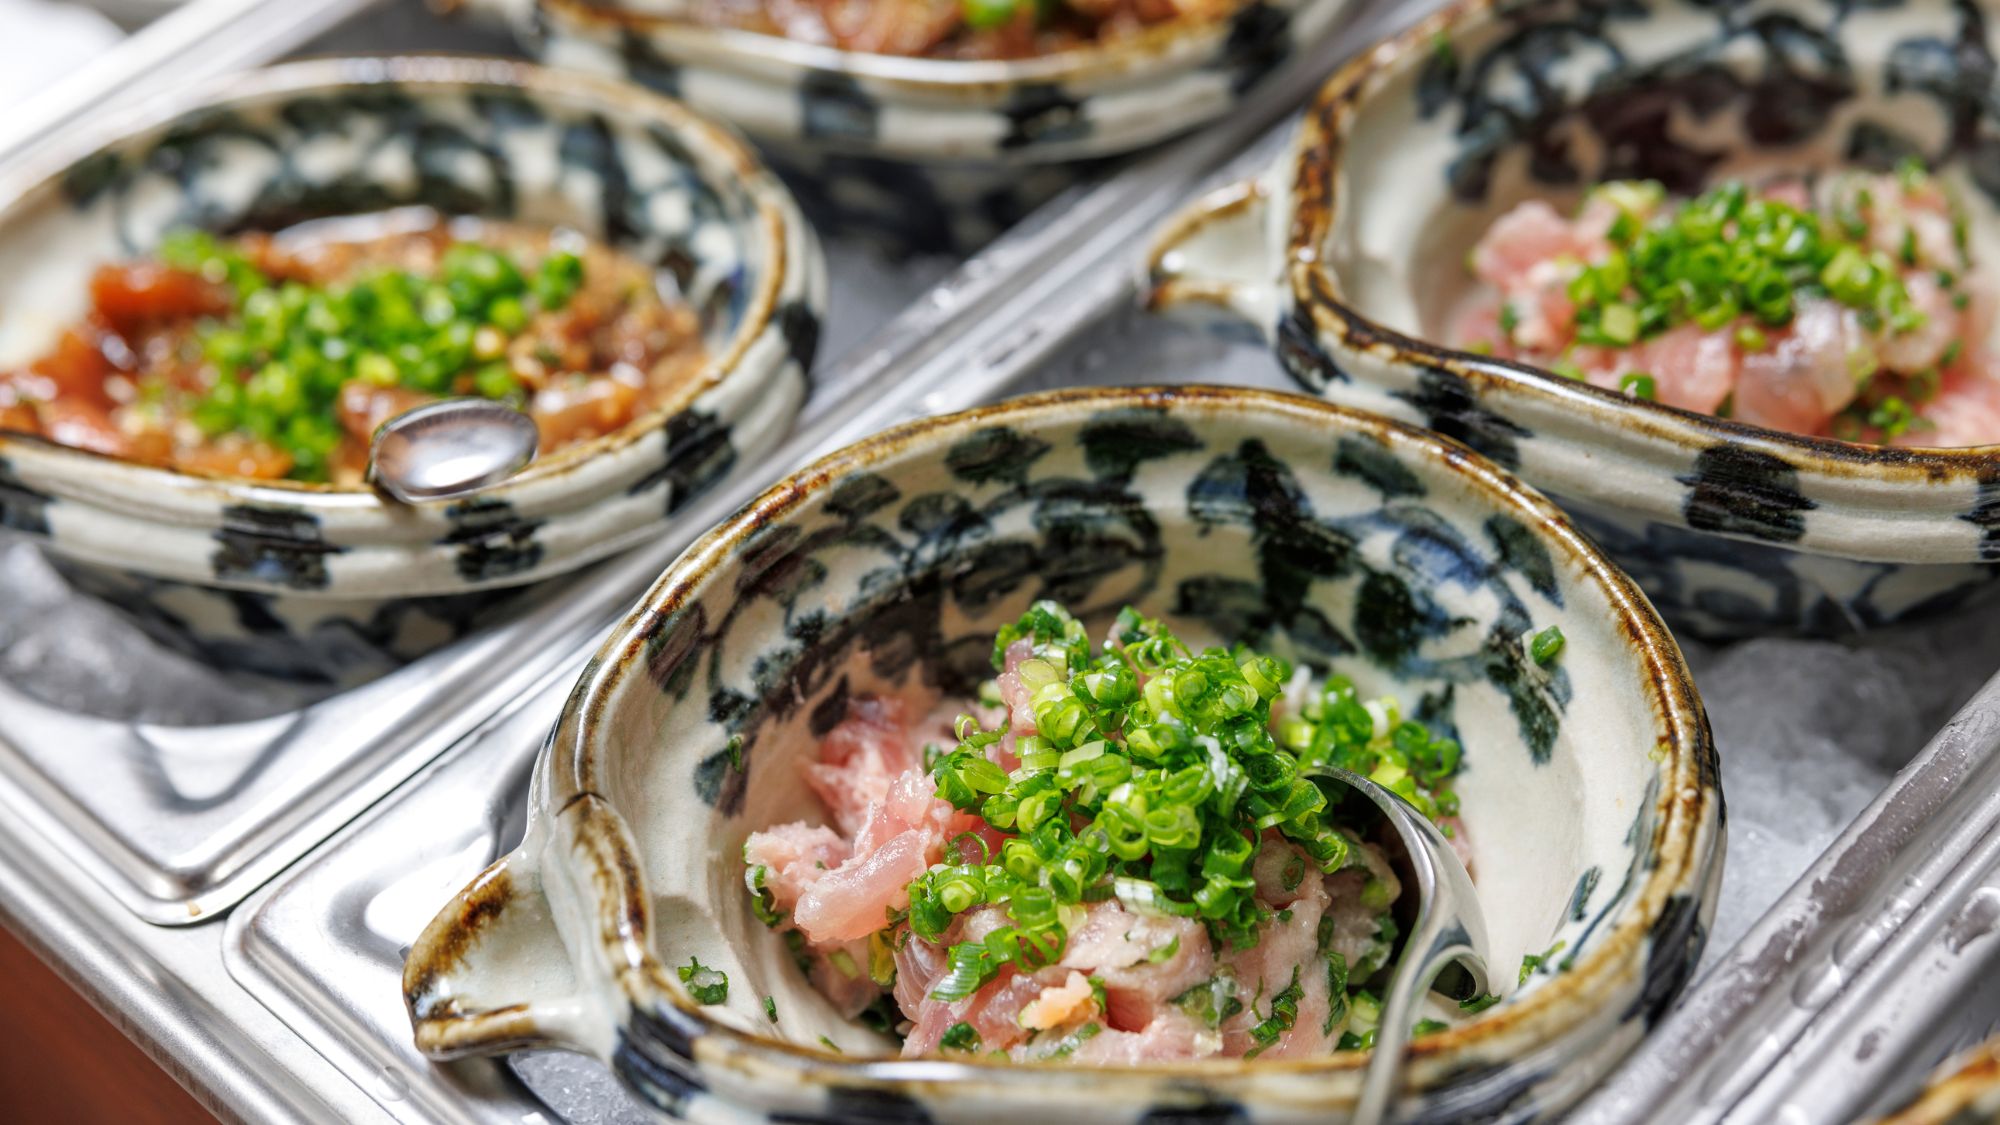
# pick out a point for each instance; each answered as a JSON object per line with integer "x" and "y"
{"x": 186, "y": 398}
{"x": 877, "y": 579}
{"x": 928, "y": 125}
{"x": 1349, "y": 254}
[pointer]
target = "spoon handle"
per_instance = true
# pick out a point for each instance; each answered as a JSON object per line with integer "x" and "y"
{"x": 1438, "y": 938}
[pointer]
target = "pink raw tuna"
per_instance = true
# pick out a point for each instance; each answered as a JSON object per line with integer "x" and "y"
{"x": 1476, "y": 322}
{"x": 794, "y": 856}
{"x": 903, "y": 837}
{"x": 994, "y": 1012}
{"x": 872, "y": 780}
{"x": 1807, "y": 373}
{"x": 1118, "y": 947}
{"x": 1541, "y": 302}
{"x": 1691, "y": 369}
{"x": 1965, "y": 412}
{"x": 1019, "y": 703}
{"x": 861, "y": 758}
{"x": 1173, "y": 1036}
{"x": 1923, "y": 346}
{"x": 1281, "y": 871}
{"x": 1916, "y": 216}
{"x": 1534, "y": 233}
{"x": 849, "y": 993}
{"x": 1287, "y": 949}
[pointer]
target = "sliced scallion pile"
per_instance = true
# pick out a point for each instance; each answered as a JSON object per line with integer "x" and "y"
{"x": 1154, "y": 771}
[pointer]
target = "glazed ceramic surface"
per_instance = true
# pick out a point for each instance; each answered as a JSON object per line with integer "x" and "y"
{"x": 1345, "y": 541}
{"x": 1349, "y": 251}
{"x": 322, "y": 583}
{"x": 932, "y": 153}
{"x": 1964, "y": 1091}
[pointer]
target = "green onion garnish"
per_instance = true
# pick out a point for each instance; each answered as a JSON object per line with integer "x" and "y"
{"x": 1152, "y": 794}
{"x": 1638, "y": 384}
{"x": 706, "y": 984}
{"x": 282, "y": 356}
{"x": 1547, "y": 645}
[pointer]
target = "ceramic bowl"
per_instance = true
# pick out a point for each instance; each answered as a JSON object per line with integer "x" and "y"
{"x": 322, "y": 583}
{"x": 1354, "y": 242}
{"x": 1964, "y": 1090}
{"x": 1404, "y": 560}
{"x": 934, "y": 154}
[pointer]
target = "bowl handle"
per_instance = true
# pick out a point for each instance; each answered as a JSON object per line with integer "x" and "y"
{"x": 1217, "y": 262}
{"x": 474, "y": 982}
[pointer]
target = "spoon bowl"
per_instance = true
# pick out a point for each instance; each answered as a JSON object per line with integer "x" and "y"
{"x": 1449, "y": 929}
{"x": 448, "y": 449}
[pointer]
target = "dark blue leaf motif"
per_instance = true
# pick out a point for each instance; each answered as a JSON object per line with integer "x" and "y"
{"x": 1259, "y": 40}
{"x": 1984, "y": 513}
{"x": 997, "y": 454}
{"x": 1673, "y": 947}
{"x": 1430, "y": 547}
{"x": 1116, "y": 442}
{"x": 1204, "y": 1113}
{"x": 1518, "y": 549}
{"x": 940, "y": 521}
{"x": 1579, "y": 899}
{"x": 1042, "y": 113}
{"x": 22, "y": 508}
{"x": 272, "y": 545}
{"x": 1448, "y": 405}
{"x": 828, "y": 713}
{"x": 493, "y": 539}
{"x": 860, "y": 1106}
{"x": 860, "y": 495}
{"x": 1740, "y": 491}
{"x": 1393, "y": 618}
{"x": 672, "y": 642}
{"x": 1300, "y": 351}
{"x": 836, "y": 106}
{"x": 1536, "y": 695}
{"x": 1368, "y": 459}
{"x": 718, "y": 782}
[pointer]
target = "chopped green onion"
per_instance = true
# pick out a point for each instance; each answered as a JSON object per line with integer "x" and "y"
{"x": 1534, "y": 961}
{"x": 281, "y": 358}
{"x": 1284, "y": 1013}
{"x": 1547, "y": 645}
{"x": 706, "y": 984}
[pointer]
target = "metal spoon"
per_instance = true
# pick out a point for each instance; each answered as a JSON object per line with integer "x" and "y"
{"x": 1449, "y": 928}
{"x": 451, "y": 448}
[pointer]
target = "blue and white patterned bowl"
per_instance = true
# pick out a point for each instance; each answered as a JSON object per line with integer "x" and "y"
{"x": 933, "y": 154}
{"x": 1353, "y": 244}
{"x": 1404, "y": 560}
{"x": 335, "y": 584}
{"x": 1963, "y": 1090}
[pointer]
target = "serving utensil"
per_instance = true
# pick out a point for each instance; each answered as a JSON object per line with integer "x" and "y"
{"x": 1449, "y": 928}
{"x": 448, "y": 449}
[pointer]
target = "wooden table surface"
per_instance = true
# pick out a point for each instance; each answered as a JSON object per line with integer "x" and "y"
{"x": 70, "y": 1065}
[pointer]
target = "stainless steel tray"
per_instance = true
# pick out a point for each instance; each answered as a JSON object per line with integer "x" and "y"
{"x": 323, "y": 945}
{"x": 180, "y": 822}
{"x": 291, "y": 1011}
{"x": 194, "y": 788}
{"x": 1877, "y": 963}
